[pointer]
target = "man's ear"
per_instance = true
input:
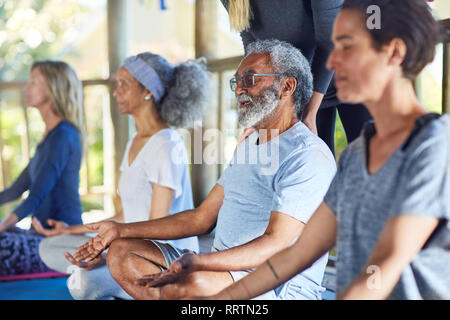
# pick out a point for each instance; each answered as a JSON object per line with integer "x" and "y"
{"x": 288, "y": 87}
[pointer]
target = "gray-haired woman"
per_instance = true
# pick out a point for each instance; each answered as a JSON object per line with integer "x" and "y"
{"x": 158, "y": 96}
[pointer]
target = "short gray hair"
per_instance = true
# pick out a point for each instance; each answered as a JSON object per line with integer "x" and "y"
{"x": 290, "y": 62}
{"x": 186, "y": 89}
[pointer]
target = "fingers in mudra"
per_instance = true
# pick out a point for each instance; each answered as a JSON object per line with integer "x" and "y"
{"x": 82, "y": 252}
{"x": 160, "y": 279}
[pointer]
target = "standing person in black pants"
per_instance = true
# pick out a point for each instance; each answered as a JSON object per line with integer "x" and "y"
{"x": 307, "y": 25}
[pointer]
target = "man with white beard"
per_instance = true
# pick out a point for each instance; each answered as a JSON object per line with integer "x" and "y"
{"x": 256, "y": 212}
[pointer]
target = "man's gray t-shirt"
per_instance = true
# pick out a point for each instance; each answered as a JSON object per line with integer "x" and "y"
{"x": 415, "y": 180}
{"x": 289, "y": 174}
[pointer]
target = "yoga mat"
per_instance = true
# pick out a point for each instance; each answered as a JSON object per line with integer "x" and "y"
{"x": 32, "y": 276}
{"x": 38, "y": 289}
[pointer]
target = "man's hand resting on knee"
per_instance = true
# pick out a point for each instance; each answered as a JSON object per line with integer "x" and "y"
{"x": 187, "y": 263}
{"x": 108, "y": 231}
{"x": 95, "y": 263}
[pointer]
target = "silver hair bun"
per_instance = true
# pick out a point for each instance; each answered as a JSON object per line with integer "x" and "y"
{"x": 187, "y": 88}
{"x": 186, "y": 99}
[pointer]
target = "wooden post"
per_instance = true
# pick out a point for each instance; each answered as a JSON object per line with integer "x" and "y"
{"x": 2, "y": 162}
{"x": 26, "y": 144}
{"x": 446, "y": 79}
{"x": 117, "y": 51}
{"x": 206, "y": 28}
{"x": 446, "y": 63}
{"x": 204, "y": 176}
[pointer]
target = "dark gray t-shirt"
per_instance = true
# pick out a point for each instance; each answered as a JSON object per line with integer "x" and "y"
{"x": 414, "y": 181}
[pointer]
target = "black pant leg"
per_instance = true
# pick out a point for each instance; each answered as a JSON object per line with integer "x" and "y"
{"x": 353, "y": 117}
{"x": 326, "y": 121}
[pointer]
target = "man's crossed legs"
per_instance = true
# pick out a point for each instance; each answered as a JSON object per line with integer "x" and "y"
{"x": 132, "y": 259}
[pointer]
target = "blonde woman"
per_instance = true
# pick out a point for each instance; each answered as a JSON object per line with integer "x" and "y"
{"x": 52, "y": 175}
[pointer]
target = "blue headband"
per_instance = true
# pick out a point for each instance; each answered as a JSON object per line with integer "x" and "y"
{"x": 146, "y": 75}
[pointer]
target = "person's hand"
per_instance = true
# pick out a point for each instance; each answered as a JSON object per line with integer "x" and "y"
{"x": 159, "y": 279}
{"x": 187, "y": 263}
{"x": 8, "y": 222}
{"x": 309, "y": 113}
{"x": 108, "y": 231}
{"x": 57, "y": 227}
{"x": 95, "y": 263}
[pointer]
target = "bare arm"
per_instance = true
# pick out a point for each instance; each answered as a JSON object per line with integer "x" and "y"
{"x": 118, "y": 216}
{"x": 58, "y": 228}
{"x": 318, "y": 236}
{"x": 161, "y": 202}
{"x": 401, "y": 239}
{"x": 310, "y": 112}
{"x": 181, "y": 225}
{"x": 280, "y": 233}
{"x": 162, "y": 198}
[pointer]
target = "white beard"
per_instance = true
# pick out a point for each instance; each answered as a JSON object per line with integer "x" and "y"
{"x": 259, "y": 107}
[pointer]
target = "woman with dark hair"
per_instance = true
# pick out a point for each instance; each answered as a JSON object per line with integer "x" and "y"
{"x": 155, "y": 179}
{"x": 388, "y": 207}
{"x": 52, "y": 175}
{"x": 307, "y": 25}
